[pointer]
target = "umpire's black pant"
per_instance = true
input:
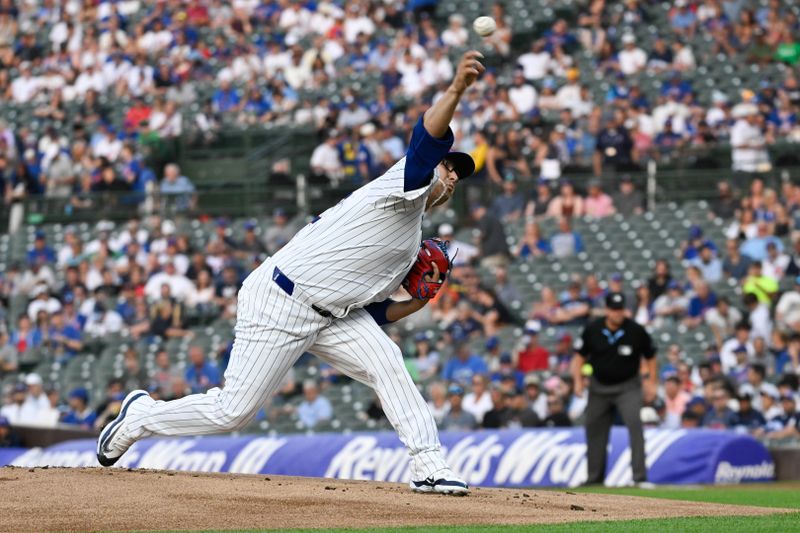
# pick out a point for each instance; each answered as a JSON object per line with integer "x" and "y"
{"x": 627, "y": 398}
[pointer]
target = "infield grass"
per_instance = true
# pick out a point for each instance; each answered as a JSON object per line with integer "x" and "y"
{"x": 780, "y": 523}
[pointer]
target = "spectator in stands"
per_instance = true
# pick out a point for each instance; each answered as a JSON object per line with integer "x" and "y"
{"x": 776, "y": 262}
{"x": 13, "y": 410}
{"x": 507, "y": 372}
{"x": 756, "y": 248}
{"x": 642, "y": 310}
{"x": 314, "y": 408}
{"x": 63, "y": 340}
{"x": 720, "y": 416}
{"x": 520, "y": 413}
{"x": 438, "y": 402}
{"x": 36, "y": 411}
{"x": 279, "y": 232}
{"x": 690, "y": 249}
{"x": 325, "y": 161}
{"x": 41, "y": 252}
{"x": 675, "y": 400}
{"x": 477, "y": 402}
{"x": 748, "y": 143}
{"x": 508, "y": 206}
{"x": 765, "y": 288}
{"x": 492, "y": 239}
{"x": 672, "y": 306}
{"x": 787, "y": 312}
{"x": 565, "y": 242}
{"x": 598, "y": 204}
{"x": 463, "y": 366}
{"x": 497, "y": 416}
{"x": 710, "y": 266}
{"x": 455, "y": 34}
{"x": 457, "y": 419}
{"x": 250, "y": 245}
{"x": 793, "y": 267}
{"x": 426, "y": 360}
{"x": 759, "y": 316}
{"x": 532, "y": 244}
{"x": 632, "y": 59}
{"x": 540, "y": 202}
{"x": 567, "y": 203}
{"x": 522, "y": 94}
{"x": 167, "y": 320}
{"x": 614, "y": 148}
{"x": 201, "y": 374}
{"x": 722, "y": 319}
{"x": 9, "y": 358}
{"x": 556, "y": 417}
{"x": 505, "y": 290}
{"x": 628, "y": 201}
{"x": 747, "y": 418}
{"x": 460, "y": 252}
{"x": 700, "y": 303}
{"x": 467, "y": 323}
{"x": 79, "y": 414}
{"x": 529, "y": 355}
{"x": 660, "y": 279}
{"x": 735, "y": 265}
{"x": 740, "y": 341}
{"x": 7, "y": 438}
{"x": 178, "y": 188}
{"x": 787, "y": 424}
{"x": 724, "y": 205}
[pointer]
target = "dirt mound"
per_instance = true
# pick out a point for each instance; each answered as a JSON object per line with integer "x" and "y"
{"x": 91, "y": 499}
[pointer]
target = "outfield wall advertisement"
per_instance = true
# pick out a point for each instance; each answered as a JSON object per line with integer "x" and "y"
{"x": 510, "y": 458}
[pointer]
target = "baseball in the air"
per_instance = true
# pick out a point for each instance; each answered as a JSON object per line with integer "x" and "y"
{"x": 484, "y": 26}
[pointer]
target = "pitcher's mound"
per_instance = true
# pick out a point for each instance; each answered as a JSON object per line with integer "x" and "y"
{"x": 93, "y": 499}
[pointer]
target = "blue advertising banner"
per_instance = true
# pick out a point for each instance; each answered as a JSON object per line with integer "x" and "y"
{"x": 510, "y": 458}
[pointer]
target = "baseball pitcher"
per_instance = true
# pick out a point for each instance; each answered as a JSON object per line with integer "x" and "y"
{"x": 327, "y": 292}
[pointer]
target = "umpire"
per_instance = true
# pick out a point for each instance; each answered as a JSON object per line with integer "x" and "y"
{"x": 614, "y": 347}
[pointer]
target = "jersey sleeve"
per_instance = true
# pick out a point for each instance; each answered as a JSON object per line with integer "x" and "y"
{"x": 424, "y": 153}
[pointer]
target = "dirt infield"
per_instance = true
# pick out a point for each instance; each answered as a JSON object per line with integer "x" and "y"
{"x": 91, "y": 499}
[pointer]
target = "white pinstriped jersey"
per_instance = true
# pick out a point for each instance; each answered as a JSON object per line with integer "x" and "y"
{"x": 359, "y": 250}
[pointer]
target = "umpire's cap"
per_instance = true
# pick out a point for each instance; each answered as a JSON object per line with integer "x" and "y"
{"x": 463, "y": 164}
{"x": 615, "y": 300}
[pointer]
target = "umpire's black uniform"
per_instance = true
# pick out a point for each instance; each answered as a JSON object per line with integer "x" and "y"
{"x": 614, "y": 346}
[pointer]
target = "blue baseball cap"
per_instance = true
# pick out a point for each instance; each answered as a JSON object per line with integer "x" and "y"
{"x": 39, "y": 234}
{"x": 505, "y": 358}
{"x": 492, "y": 343}
{"x": 455, "y": 389}
{"x": 697, "y": 400}
{"x": 420, "y": 337}
{"x": 695, "y": 232}
{"x": 80, "y": 393}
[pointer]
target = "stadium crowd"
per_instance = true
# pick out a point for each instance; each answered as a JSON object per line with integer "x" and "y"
{"x": 146, "y": 281}
{"x": 90, "y": 91}
{"x": 106, "y": 86}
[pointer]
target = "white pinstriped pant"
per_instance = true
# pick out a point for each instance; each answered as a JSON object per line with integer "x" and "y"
{"x": 272, "y": 331}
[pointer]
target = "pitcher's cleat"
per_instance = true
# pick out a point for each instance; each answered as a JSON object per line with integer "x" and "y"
{"x": 114, "y": 440}
{"x": 442, "y": 482}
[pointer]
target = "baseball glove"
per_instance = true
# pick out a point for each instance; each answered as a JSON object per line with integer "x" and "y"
{"x": 419, "y": 281}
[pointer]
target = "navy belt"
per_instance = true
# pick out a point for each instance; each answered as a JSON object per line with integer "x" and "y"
{"x": 282, "y": 281}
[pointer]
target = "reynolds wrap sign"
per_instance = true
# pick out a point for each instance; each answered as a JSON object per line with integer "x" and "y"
{"x": 510, "y": 458}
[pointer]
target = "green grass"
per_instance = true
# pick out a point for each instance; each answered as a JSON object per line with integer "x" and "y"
{"x": 785, "y": 523}
{"x": 766, "y": 495}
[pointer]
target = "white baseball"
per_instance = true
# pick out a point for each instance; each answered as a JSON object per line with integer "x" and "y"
{"x": 484, "y": 26}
